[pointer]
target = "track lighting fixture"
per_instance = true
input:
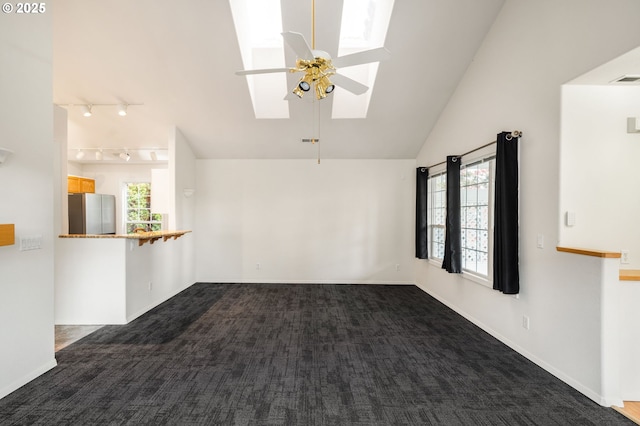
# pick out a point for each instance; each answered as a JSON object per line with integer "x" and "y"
{"x": 118, "y": 155}
{"x": 86, "y": 110}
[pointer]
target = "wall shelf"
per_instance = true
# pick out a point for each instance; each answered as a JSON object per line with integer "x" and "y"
{"x": 7, "y": 234}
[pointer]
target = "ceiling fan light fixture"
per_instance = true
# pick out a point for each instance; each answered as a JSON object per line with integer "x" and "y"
{"x": 298, "y": 92}
{"x": 324, "y": 87}
{"x": 304, "y": 86}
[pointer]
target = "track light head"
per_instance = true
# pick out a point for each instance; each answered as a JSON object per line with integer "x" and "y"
{"x": 86, "y": 110}
{"x": 153, "y": 155}
{"x": 99, "y": 155}
{"x": 125, "y": 156}
{"x": 122, "y": 110}
{"x": 80, "y": 155}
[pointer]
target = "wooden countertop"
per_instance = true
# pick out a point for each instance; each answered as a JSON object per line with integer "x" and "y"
{"x": 142, "y": 237}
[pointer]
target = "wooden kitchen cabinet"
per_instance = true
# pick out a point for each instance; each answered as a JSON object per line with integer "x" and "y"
{"x": 77, "y": 184}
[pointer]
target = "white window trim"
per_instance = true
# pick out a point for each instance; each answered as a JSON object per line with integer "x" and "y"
{"x": 123, "y": 210}
{"x": 466, "y": 274}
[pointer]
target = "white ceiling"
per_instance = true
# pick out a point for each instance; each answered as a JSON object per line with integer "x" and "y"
{"x": 178, "y": 59}
{"x": 608, "y": 73}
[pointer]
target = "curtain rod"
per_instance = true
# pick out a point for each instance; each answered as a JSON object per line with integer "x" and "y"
{"x": 514, "y": 134}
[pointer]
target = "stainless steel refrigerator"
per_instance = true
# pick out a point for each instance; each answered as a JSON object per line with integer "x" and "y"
{"x": 92, "y": 214}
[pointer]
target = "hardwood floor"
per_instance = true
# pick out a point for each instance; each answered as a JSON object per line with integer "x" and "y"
{"x": 630, "y": 410}
{"x": 67, "y": 334}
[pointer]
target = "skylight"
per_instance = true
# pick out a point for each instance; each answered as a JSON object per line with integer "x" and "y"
{"x": 258, "y": 28}
{"x": 364, "y": 26}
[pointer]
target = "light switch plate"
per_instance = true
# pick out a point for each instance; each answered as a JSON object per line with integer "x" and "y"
{"x": 32, "y": 242}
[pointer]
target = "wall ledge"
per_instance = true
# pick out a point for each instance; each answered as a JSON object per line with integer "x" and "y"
{"x": 590, "y": 252}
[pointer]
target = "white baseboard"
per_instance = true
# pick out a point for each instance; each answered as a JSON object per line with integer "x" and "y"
{"x": 27, "y": 378}
{"x": 576, "y": 384}
{"x": 155, "y": 303}
{"x": 268, "y": 281}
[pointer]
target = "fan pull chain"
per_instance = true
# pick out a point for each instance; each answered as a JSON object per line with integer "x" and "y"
{"x": 316, "y": 132}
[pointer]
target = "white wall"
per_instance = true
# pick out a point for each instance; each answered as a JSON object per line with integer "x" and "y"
{"x": 182, "y": 175}
{"x": 598, "y": 181}
{"x": 343, "y": 221}
{"x": 515, "y": 83}
{"x": 600, "y": 168}
{"x": 629, "y": 343}
{"x": 27, "y": 184}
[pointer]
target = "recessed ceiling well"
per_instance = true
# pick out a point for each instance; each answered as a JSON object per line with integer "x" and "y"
{"x": 364, "y": 26}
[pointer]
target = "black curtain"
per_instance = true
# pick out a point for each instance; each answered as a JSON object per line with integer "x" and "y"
{"x": 422, "y": 175}
{"x": 506, "y": 276}
{"x": 452, "y": 243}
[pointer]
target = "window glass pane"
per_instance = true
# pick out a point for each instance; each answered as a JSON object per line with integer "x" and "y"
{"x": 436, "y": 215}
{"x": 138, "y": 213}
{"x": 475, "y": 190}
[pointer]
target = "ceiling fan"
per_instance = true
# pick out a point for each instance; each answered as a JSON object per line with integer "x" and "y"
{"x": 319, "y": 70}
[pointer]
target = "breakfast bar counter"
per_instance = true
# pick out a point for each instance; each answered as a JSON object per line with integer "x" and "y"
{"x": 142, "y": 237}
{"x": 113, "y": 279}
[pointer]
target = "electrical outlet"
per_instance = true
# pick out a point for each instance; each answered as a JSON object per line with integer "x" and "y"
{"x": 525, "y": 322}
{"x": 540, "y": 241}
{"x": 624, "y": 256}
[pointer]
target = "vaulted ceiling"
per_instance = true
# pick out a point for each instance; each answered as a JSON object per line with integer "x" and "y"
{"x": 177, "y": 60}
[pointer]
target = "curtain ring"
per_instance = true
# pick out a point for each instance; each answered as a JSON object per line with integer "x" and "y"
{"x": 454, "y": 159}
{"x": 423, "y": 169}
{"x": 509, "y": 137}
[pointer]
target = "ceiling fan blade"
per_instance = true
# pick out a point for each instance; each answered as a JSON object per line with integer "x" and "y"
{"x": 348, "y": 84}
{"x": 262, "y": 71}
{"x": 299, "y": 45}
{"x": 364, "y": 57}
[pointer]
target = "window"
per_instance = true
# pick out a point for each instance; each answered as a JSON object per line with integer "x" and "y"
{"x": 138, "y": 208}
{"x": 476, "y": 216}
{"x": 436, "y": 214}
{"x": 476, "y": 190}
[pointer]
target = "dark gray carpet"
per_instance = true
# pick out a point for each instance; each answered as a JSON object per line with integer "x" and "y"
{"x": 254, "y": 354}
